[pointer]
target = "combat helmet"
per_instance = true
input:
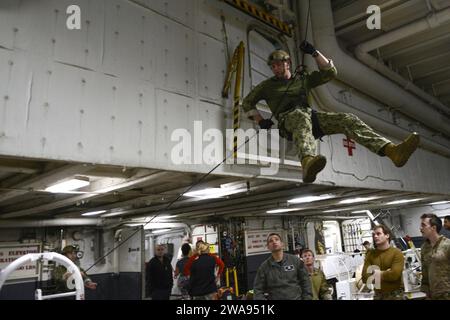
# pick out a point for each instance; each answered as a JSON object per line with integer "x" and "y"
{"x": 278, "y": 55}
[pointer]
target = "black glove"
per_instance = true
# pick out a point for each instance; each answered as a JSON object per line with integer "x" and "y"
{"x": 307, "y": 47}
{"x": 265, "y": 124}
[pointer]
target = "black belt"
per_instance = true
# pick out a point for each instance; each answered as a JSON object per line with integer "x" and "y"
{"x": 316, "y": 130}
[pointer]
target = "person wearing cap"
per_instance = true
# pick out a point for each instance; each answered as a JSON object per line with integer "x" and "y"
{"x": 282, "y": 276}
{"x": 61, "y": 276}
{"x": 288, "y": 98}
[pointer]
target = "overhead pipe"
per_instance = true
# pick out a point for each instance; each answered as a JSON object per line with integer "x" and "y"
{"x": 350, "y": 71}
{"x": 49, "y": 223}
{"x": 325, "y": 99}
{"x": 431, "y": 21}
{"x": 363, "y": 49}
{"x": 123, "y": 186}
{"x": 408, "y": 85}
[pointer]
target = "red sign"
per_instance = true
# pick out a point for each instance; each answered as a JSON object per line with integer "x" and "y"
{"x": 350, "y": 145}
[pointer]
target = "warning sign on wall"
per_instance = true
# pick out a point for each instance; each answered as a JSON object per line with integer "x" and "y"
{"x": 12, "y": 251}
{"x": 256, "y": 241}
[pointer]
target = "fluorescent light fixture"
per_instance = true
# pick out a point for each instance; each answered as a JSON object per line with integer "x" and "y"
{"x": 403, "y": 201}
{"x": 93, "y": 213}
{"x": 334, "y": 210}
{"x": 68, "y": 185}
{"x": 161, "y": 218}
{"x": 160, "y": 230}
{"x": 361, "y": 211}
{"x": 283, "y": 210}
{"x": 440, "y": 202}
{"x": 132, "y": 225}
{"x": 355, "y": 200}
{"x": 308, "y": 199}
{"x": 211, "y": 193}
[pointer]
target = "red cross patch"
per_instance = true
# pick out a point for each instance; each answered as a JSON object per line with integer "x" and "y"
{"x": 350, "y": 145}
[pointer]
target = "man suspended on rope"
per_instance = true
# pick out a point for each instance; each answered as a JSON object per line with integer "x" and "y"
{"x": 288, "y": 98}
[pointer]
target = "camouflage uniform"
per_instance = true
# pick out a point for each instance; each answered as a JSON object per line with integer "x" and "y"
{"x": 292, "y": 110}
{"x": 436, "y": 269}
{"x": 321, "y": 290}
{"x": 392, "y": 295}
{"x": 61, "y": 283}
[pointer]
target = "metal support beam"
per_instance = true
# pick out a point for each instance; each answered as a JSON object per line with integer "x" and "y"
{"x": 131, "y": 183}
{"x": 44, "y": 180}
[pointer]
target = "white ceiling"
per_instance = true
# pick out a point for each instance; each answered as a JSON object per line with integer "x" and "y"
{"x": 134, "y": 192}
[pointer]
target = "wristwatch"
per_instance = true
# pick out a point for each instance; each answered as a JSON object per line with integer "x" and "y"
{"x": 315, "y": 53}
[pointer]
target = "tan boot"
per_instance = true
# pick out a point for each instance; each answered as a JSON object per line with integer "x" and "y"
{"x": 400, "y": 153}
{"x": 311, "y": 166}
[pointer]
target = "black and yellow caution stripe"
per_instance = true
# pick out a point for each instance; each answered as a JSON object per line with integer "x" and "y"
{"x": 259, "y": 14}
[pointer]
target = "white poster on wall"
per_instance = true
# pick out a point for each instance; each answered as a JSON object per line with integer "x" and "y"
{"x": 256, "y": 241}
{"x": 12, "y": 251}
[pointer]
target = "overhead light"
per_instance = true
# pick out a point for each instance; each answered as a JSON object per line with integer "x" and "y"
{"x": 160, "y": 230}
{"x": 68, "y": 185}
{"x": 333, "y": 210}
{"x": 361, "y": 211}
{"x": 132, "y": 225}
{"x": 161, "y": 218}
{"x": 355, "y": 200}
{"x": 440, "y": 202}
{"x": 212, "y": 193}
{"x": 93, "y": 213}
{"x": 308, "y": 199}
{"x": 403, "y": 201}
{"x": 283, "y": 210}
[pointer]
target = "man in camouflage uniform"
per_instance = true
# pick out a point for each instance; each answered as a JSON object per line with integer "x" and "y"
{"x": 321, "y": 290}
{"x": 60, "y": 274}
{"x": 435, "y": 258}
{"x": 289, "y": 100}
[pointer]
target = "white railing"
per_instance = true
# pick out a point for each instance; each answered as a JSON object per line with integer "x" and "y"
{"x": 34, "y": 257}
